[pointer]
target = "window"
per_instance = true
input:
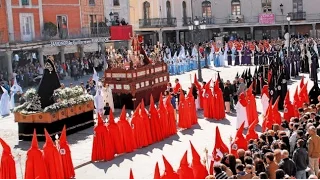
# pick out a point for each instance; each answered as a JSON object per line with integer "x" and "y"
{"x": 297, "y": 5}
{"x": 93, "y": 20}
{"x": 146, "y": 10}
{"x": 168, "y": 7}
{"x": 92, "y": 2}
{"x": 235, "y": 7}
{"x": 25, "y": 2}
{"x": 206, "y": 9}
{"x": 116, "y": 3}
{"x": 62, "y": 24}
{"x": 266, "y": 5}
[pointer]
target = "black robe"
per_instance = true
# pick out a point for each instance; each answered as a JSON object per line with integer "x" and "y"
{"x": 48, "y": 84}
{"x": 314, "y": 93}
{"x": 282, "y": 87}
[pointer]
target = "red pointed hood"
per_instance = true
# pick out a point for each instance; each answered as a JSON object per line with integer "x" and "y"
{"x": 137, "y": 110}
{"x": 167, "y": 166}
{"x": 151, "y": 102}
{"x": 131, "y": 174}
{"x": 184, "y": 159}
{"x": 216, "y": 86}
{"x": 265, "y": 90}
{"x": 111, "y": 117}
{"x": 269, "y": 75}
{"x": 142, "y": 104}
{"x": 287, "y": 97}
{"x": 63, "y": 136}
{"x": 196, "y": 82}
{"x": 239, "y": 141}
{"x": 185, "y": 171}
{"x": 100, "y": 121}
{"x": 182, "y": 97}
{"x": 242, "y": 100}
{"x": 240, "y": 131}
{"x": 220, "y": 147}
{"x": 5, "y": 146}
{"x": 34, "y": 142}
{"x": 49, "y": 141}
{"x": 123, "y": 116}
{"x": 190, "y": 93}
{"x": 207, "y": 86}
{"x": 161, "y": 105}
{"x": 195, "y": 155}
{"x": 168, "y": 100}
{"x": 276, "y": 104}
{"x": 252, "y": 134}
{"x": 301, "y": 82}
{"x": 156, "y": 172}
{"x": 249, "y": 90}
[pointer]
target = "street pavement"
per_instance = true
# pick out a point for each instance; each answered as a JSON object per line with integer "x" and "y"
{"x": 142, "y": 161}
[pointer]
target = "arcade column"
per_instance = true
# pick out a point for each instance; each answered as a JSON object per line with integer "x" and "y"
{"x": 9, "y": 61}
{"x": 41, "y": 61}
{"x": 314, "y": 32}
{"x": 282, "y": 31}
{"x": 177, "y": 37}
{"x": 62, "y": 56}
{"x": 160, "y": 36}
{"x": 81, "y": 53}
{"x": 251, "y": 32}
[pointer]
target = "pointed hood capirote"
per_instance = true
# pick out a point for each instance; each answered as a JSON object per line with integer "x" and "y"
{"x": 185, "y": 171}
{"x": 115, "y": 136}
{"x": 131, "y": 174}
{"x": 169, "y": 173}
{"x": 8, "y": 165}
{"x": 66, "y": 158}
{"x": 199, "y": 169}
{"x": 156, "y": 172}
{"x": 126, "y": 132}
{"x": 35, "y": 164}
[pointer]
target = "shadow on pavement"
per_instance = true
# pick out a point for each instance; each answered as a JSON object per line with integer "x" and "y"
{"x": 224, "y": 121}
{"x": 191, "y": 130}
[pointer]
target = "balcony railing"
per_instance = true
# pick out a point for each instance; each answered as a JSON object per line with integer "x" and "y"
{"x": 236, "y": 19}
{"x": 157, "y": 22}
{"x": 296, "y": 16}
{"x": 86, "y": 32}
{"x": 186, "y": 21}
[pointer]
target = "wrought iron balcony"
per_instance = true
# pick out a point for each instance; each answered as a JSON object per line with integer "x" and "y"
{"x": 236, "y": 19}
{"x": 296, "y": 16}
{"x": 186, "y": 21}
{"x": 157, "y": 22}
{"x": 209, "y": 20}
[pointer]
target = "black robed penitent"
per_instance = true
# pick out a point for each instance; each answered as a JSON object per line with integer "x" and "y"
{"x": 48, "y": 84}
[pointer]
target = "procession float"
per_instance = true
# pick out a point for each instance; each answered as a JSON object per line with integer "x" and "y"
{"x": 137, "y": 77}
{"x": 51, "y": 107}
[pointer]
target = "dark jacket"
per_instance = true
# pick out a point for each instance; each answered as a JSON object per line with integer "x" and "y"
{"x": 288, "y": 166}
{"x": 300, "y": 157}
{"x": 226, "y": 94}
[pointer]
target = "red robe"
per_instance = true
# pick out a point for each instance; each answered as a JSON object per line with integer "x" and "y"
{"x": 35, "y": 164}
{"x": 288, "y": 111}
{"x": 268, "y": 119}
{"x": 155, "y": 127}
{"x": 139, "y": 129}
{"x": 8, "y": 165}
{"x": 66, "y": 159}
{"x": 172, "y": 124}
{"x": 218, "y": 103}
{"x": 297, "y": 103}
{"x": 200, "y": 90}
{"x": 192, "y": 108}
{"x": 185, "y": 171}
{"x": 163, "y": 117}
{"x": 177, "y": 88}
{"x": 126, "y": 132}
{"x": 146, "y": 122}
{"x": 184, "y": 117}
{"x": 208, "y": 102}
{"x": 169, "y": 173}
{"x": 303, "y": 94}
{"x": 52, "y": 158}
{"x": 252, "y": 134}
{"x": 115, "y": 136}
{"x": 276, "y": 114}
{"x": 199, "y": 170}
{"x": 251, "y": 107}
{"x": 239, "y": 142}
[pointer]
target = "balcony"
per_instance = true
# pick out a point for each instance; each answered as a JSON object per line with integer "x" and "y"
{"x": 297, "y": 16}
{"x": 186, "y": 21}
{"x": 86, "y": 32}
{"x": 157, "y": 22}
{"x": 236, "y": 19}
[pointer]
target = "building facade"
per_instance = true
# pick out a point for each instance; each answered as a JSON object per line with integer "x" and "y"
{"x": 117, "y": 9}
{"x": 248, "y": 19}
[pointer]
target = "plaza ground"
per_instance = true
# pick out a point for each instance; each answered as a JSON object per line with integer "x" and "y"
{"x": 142, "y": 161}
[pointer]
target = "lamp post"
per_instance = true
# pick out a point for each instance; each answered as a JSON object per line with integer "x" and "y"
{"x": 196, "y": 26}
{"x": 289, "y": 19}
{"x": 111, "y": 17}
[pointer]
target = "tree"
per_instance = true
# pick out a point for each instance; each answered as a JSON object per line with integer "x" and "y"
{"x": 50, "y": 29}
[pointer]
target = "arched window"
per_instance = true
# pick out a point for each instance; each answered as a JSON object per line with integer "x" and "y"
{"x": 168, "y": 6}
{"x": 184, "y": 12}
{"x": 146, "y": 10}
{"x": 266, "y": 5}
{"x": 235, "y": 7}
{"x": 206, "y": 9}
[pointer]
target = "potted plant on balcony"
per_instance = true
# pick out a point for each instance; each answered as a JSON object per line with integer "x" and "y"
{"x": 49, "y": 30}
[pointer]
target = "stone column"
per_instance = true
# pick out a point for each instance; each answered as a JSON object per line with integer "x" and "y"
{"x": 9, "y": 61}
{"x": 252, "y": 32}
{"x": 81, "y": 53}
{"x": 62, "y": 56}
{"x": 41, "y": 61}
{"x": 160, "y": 37}
{"x": 314, "y": 31}
{"x": 282, "y": 31}
{"x": 177, "y": 36}
{"x": 103, "y": 53}
{"x": 221, "y": 29}
{"x": 164, "y": 37}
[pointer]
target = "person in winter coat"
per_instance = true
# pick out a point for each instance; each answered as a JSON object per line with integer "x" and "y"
{"x": 300, "y": 158}
{"x": 287, "y": 165}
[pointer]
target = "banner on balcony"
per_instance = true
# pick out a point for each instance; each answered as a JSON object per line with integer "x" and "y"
{"x": 121, "y": 32}
{"x": 266, "y": 18}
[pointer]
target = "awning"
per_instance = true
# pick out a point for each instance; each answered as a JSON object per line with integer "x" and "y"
{"x": 50, "y": 51}
{"x": 70, "y": 49}
{"x": 91, "y": 47}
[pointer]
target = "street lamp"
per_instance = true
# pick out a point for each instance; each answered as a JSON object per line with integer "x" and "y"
{"x": 289, "y": 19}
{"x": 281, "y": 8}
{"x": 196, "y": 28}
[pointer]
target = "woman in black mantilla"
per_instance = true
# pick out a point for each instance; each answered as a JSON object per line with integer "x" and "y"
{"x": 48, "y": 83}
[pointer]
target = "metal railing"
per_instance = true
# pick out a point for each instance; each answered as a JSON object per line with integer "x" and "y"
{"x": 157, "y": 22}
{"x": 296, "y": 16}
{"x": 186, "y": 21}
{"x": 86, "y": 32}
{"x": 236, "y": 19}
